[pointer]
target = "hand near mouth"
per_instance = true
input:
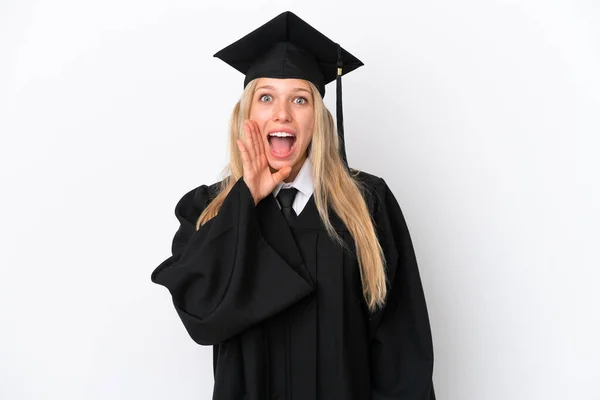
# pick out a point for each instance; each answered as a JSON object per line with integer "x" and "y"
{"x": 257, "y": 174}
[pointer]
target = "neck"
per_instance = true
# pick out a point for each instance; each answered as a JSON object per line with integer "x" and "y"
{"x": 295, "y": 169}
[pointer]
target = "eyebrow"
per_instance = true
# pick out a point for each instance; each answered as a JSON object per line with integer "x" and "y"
{"x": 298, "y": 89}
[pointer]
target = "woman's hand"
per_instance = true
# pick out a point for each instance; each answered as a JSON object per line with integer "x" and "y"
{"x": 257, "y": 174}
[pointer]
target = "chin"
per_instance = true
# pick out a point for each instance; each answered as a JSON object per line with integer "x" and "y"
{"x": 278, "y": 164}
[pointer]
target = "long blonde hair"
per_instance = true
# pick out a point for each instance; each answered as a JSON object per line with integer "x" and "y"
{"x": 334, "y": 187}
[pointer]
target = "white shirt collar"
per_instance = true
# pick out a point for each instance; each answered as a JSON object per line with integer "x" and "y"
{"x": 303, "y": 181}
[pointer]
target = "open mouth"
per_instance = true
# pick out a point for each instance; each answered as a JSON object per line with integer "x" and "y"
{"x": 281, "y": 142}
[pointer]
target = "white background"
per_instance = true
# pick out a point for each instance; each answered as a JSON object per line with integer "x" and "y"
{"x": 483, "y": 117}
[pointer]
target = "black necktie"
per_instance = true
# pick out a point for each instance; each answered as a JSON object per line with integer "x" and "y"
{"x": 286, "y": 199}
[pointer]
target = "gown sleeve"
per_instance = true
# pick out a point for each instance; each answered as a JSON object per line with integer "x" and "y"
{"x": 401, "y": 348}
{"x": 224, "y": 277}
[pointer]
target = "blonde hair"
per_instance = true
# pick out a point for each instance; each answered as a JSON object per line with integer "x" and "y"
{"x": 334, "y": 187}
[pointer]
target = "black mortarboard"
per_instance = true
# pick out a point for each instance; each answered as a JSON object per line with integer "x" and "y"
{"x": 288, "y": 47}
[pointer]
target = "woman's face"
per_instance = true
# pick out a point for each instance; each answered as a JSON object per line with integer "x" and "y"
{"x": 283, "y": 110}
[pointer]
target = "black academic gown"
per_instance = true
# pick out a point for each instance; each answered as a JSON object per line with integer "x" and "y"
{"x": 283, "y": 305}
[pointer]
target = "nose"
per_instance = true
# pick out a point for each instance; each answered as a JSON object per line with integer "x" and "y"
{"x": 281, "y": 112}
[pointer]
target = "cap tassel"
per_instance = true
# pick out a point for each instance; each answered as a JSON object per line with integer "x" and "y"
{"x": 339, "y": 112}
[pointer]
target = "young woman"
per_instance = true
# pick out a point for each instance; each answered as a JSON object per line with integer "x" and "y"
{"x": 297, "y": 269}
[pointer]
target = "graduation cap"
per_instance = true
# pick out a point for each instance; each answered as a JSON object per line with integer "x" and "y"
{"x": 288, "y": 47}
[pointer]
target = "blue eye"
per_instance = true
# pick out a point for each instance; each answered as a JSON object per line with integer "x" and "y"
{"x": 304, "y": 101}
{"x": 263, "y": 96}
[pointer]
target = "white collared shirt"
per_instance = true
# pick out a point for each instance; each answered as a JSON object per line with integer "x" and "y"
{"x": 304, "y": 184}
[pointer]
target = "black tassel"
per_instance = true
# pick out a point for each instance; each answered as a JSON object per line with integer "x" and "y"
{"x": 339, "y": 112}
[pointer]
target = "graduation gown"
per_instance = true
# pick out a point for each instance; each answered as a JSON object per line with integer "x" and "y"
{"x": 282, "y": 305}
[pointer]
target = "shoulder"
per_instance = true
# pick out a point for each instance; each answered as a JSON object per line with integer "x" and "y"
{"x": 368, "y": 180}
{"x": 374, "y": 188}
{"x": 194, "y": 201}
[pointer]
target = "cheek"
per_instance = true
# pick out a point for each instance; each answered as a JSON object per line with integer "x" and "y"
{"x": 308, "y": 123}
{"x": 257, "y": 114}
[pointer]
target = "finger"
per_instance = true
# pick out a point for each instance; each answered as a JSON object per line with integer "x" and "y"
{"x": 261, "y": 143}
{"x": 242, "y": 148}
{"x": 249, "y": 144}
{"x": 283, "y": 173}
{"x": 256, "y": 139}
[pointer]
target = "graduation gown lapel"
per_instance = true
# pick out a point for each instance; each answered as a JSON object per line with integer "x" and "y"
{"x": 276, "y": 232}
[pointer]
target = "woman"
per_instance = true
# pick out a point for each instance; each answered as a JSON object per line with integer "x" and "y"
{"x": 298, "y": 270}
